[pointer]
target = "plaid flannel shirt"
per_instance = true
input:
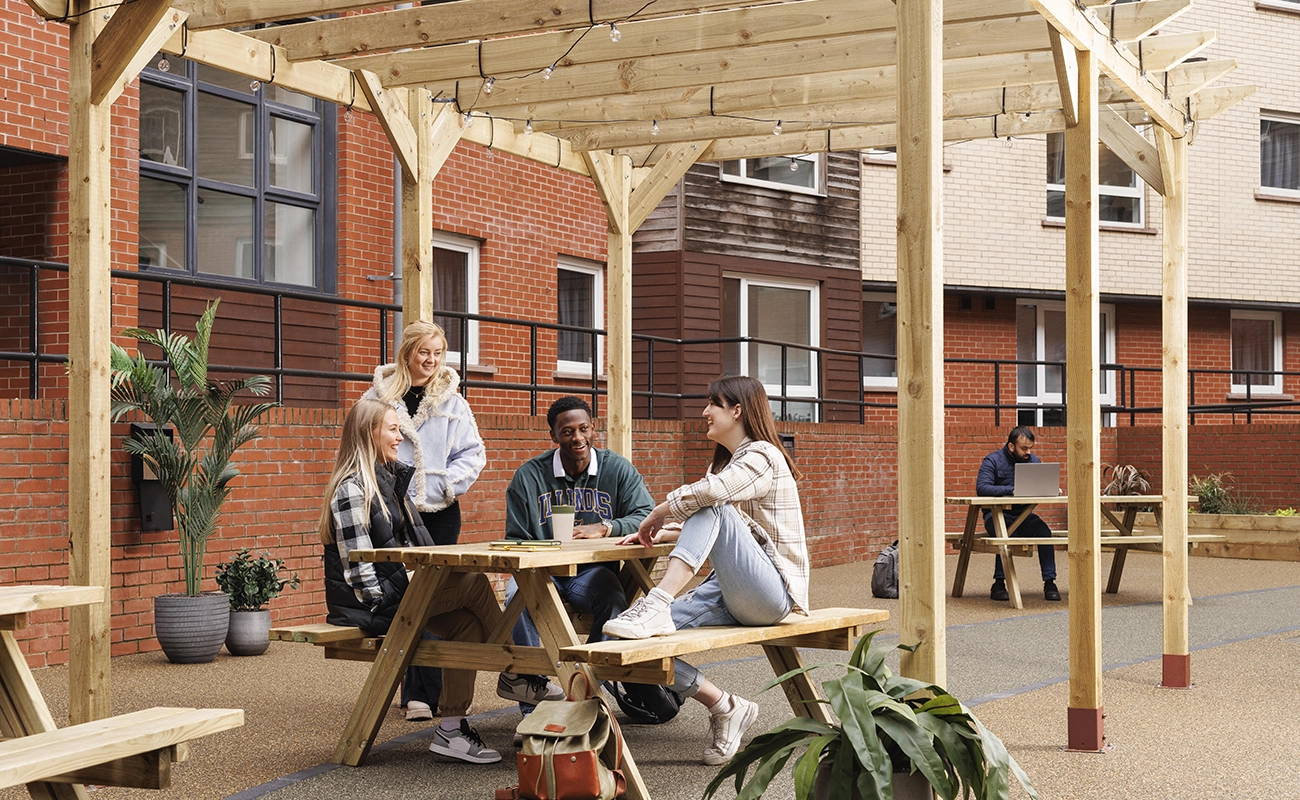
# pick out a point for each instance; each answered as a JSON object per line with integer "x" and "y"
{"x": 352, "y": 532}
{"x": 758, "y": 483}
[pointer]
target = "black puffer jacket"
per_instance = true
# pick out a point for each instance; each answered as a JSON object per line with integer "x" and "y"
{"x": 402, "y": 528}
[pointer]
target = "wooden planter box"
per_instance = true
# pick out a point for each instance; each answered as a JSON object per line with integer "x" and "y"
{"x": 1259, "y": 536}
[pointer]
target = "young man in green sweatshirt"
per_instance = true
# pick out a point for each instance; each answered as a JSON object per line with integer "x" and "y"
{"x": 608, "y": 496}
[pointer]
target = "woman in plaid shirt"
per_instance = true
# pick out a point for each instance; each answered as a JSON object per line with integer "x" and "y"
{"x": 744, "y": 517}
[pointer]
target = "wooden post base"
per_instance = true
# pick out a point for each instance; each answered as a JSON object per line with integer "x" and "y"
{"x": 1086, "y": 729}
{"x": 1177, "y": 672}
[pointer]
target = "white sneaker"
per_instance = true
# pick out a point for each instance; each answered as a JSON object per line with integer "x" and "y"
{"x": 728, "y": 728}
{"x": 531, "y": 689}
{"x": 647, "y": 617}
{"x": 418, "y": 710}
{"x": 464, "y": 744}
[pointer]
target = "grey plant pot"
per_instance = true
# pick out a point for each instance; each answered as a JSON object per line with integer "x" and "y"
{"x": 906, "y": 787}
{"x": 191, "y": 629}
{"x": 250, "y": 633}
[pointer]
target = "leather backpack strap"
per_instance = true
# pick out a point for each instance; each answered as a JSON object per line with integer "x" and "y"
{"x": 586, "y": 695}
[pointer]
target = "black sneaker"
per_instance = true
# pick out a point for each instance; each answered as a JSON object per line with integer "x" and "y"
{"x": 1050, "y": 592}
{"x": 999, "y": 591}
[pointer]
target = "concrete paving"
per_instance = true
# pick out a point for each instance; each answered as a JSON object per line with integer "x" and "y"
{"x": 1232, "y": 735}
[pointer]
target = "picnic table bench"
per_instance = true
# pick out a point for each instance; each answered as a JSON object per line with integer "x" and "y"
{"x": 135, "y": 750}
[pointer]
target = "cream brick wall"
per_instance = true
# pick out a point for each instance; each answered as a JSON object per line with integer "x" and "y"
{"x": 1241, "y": 248}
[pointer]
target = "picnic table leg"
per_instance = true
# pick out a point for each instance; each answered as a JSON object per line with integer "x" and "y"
{"x": 555, "y": 630}
{"x": 799, "y": 690}
{"x": 23, "y": 712}
{"x": 1008, "y": 565}
{"x": 964, "y": 548}
{"x": 390, "y": 664}
{"x": 635, "y": 577}
{"x": 1125, "y": 528}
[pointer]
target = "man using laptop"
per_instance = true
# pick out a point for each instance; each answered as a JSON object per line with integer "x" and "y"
{"x": 997, "y": 478}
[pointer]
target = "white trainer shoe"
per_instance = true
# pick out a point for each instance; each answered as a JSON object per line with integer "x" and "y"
{"x": 464, "y": 744}
{"x": 728, "y": 728}
{"x": 645, "y": 618}
{"x": 417, "y": 710}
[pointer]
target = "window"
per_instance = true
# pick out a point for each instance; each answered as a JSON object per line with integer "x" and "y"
{"x": 1040, "y": 337}
{"x": 1120, "y": 191}
{"x": 233, "y": 177}
{"x": 803, "y": 173}
{"x": 581, "y": 301}
{"x": 455, "y": 288}
{"x": 778, "y": 311}
{"x": 1256, "y": 352}
{"x": 1279, "y": 153}
{"x": 880, "y": 336}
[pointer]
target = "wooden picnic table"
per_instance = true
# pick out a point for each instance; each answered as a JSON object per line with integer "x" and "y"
{"x": 134, "y": 749}
{"x": 561, "y": 652}
{"x": 1120, "y": 510}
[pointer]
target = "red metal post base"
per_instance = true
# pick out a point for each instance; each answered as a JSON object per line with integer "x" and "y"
{"x": 1177, "y": 673}
{"x": 1085, "y": 729}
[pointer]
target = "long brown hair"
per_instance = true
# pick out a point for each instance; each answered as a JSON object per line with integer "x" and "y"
{"x": 357, "y": 456}
{"x": 755, "y": 416}
{"x": 412, "y": 336}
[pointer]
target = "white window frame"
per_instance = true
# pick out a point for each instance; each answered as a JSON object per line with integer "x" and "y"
{"x": 1258, "y": 389}
{"x": 814, "y": 332}
{"x": 469, "y": 247}
{"x": 814, "y": 160}
{"x": 1287, "y": 119}
{"x": 873, "y": 381}
{"x": 582, "y": 368}
{"x": 1138, "y": 190}
{"x": 1107, "y": 356}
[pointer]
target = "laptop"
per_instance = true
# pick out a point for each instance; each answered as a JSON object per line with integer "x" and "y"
{"x": 1037, "y": 480}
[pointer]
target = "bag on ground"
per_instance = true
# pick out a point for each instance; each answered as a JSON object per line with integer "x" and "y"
{"x": 645, "y": 703}
{"x": 884, "y": 575}
{"x": 571, "y": 749}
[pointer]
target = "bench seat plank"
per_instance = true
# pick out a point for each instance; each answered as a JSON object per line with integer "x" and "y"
{"x": 1106, "y": 541}
{"x": 317, "y": 633}
{"x": 621, "y": 652}
{"x": 25, "y": 599}
{"x": 30, "y": 759}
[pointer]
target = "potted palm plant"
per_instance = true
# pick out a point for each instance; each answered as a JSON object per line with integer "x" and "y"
{"x": 896, "y": 738}
{"x": 193, "y": 467}
{"x": 250, "y": 583}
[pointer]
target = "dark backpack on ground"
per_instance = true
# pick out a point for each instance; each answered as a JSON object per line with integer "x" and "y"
{"x": 645, "y": 703}
{"x": 884, "y": 575}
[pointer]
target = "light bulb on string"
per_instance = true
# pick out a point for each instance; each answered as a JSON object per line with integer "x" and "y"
{"x": 1009, "y": 143}
{"x": 528, "y": 128}
{"x": 488, "y": 84}
{"x": 776, "y": 129}
{"x": 254, "y": 85}
{"x": 164, "y": 65}
{"x": 347, "y": 115}
{"x": 467, "y": 117}
{"x": 794, "y": 165}
{"x": 546, "y": 73}
{"x": 654, "y": 128}
{"x": 614, "y": 33}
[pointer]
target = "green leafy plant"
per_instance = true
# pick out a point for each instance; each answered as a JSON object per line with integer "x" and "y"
{"x": 252, "y": 582}
{"x": 888, "y": 724}
{"x": 1284, "y": 512}
{"x": 194, "y": 467}
{"x": 1124, "y": 479}
{"x": 1218, "y": 495}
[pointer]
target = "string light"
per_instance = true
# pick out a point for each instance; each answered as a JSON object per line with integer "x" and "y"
{"x": 254, "y": 85}
{"x": 164, "y": 65}
{"x": 487, "y": 87}
{"x": 467, "y": 117}
{"x": 528, "y": 128}
{"x": 654, "y": 128}
{"x": 1009, "y": 143}
{"x": 546, "y": 73}
{"x": 614, "y": 33}
{"x": 776, "y": 129}
{"x": 794, "y": 165}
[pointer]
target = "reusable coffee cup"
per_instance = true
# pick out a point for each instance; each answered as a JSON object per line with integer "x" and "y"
{"x": 562, "y": 523}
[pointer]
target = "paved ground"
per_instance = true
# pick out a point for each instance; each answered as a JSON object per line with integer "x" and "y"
{"x": 1234, "y": 735}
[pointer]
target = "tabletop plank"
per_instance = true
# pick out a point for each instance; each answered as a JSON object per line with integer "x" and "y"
{"x": 480, "y": 555}
{"x": 1113, "y": 499}
{"x": 24, "y": 599}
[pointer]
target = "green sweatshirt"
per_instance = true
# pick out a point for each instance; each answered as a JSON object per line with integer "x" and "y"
{"x": 611, "y": 489}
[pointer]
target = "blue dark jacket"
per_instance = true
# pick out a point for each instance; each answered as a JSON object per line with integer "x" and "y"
{"x": 997, "y": 477}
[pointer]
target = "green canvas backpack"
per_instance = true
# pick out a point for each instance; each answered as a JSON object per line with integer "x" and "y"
{"x": 571, "y": 749}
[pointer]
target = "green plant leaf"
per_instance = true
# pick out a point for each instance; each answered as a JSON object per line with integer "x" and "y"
{"x": 850, "y": 701}
{"x": 805, "y": 770}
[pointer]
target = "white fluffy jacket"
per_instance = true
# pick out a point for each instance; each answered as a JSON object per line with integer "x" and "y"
{"x": 441, "y": 441}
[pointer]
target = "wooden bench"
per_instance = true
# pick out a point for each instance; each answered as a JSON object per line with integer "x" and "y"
{"x": 134, "y": 750}
{"x": 1146, "y": 542}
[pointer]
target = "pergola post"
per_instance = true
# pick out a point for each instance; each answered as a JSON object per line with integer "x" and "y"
{"x": 1177, "y": 671}
{"x": 89, "y": 333}
{"x": 613, "y": 178}
{"x": 1083, "y": 423}
{"x": 920, "y": 339}
{"x": 436, "y": 135}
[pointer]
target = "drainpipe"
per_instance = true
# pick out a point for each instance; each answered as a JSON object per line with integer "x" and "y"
{"x": 397, "y": 251}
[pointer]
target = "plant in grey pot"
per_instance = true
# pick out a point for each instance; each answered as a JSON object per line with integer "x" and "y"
{"x": 251, "y": 582}
{"x": 896, "y": 738}
{"x": 193, "y": 467}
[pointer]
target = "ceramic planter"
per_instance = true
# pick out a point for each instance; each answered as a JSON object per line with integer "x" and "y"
{"x": 250, "y": 633}
{"x": 191, "y": 629}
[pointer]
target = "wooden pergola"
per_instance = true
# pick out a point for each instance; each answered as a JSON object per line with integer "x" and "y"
{"x": 633, "y": 92}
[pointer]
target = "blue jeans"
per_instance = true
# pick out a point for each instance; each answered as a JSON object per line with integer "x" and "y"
{"x": 745, "y": 587}
{"x": 1032, "y": 527}
{"x": 422, "y": 683}
{"x": 595, "y": 590}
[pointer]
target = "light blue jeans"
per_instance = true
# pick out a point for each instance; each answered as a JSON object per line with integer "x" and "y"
{"x": 745, "y": 587}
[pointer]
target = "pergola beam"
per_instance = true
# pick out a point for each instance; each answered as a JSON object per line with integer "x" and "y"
{"x": 652, "y": 185}
{"x": 1131, "y": 21}
{"x": 1131, "y": 147}
{"x": 1158, "y": 53}
{"x": 1067, "y": 76}
{"x": 129, "y": 39}
{"x": 392, "y": 107}
{"x": 1210, "y": 103}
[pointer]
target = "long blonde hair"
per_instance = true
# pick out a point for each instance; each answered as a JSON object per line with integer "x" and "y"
{"x": 412, "y": 336}
{"x": 357, "y": 456}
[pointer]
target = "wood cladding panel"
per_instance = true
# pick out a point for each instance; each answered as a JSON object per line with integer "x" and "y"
{"x": 661, "y": 231}
{"x": 244, "y": 335}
